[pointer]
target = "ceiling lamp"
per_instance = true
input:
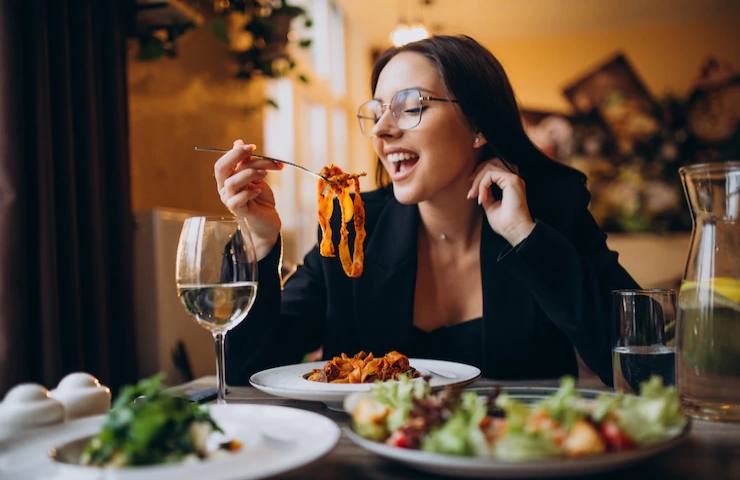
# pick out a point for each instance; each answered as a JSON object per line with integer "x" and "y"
{"x": 409, "y": 32}
{"x": 404, "y": 33}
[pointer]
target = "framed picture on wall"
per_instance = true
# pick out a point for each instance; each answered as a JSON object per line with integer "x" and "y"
{"x": 616, "y": 76}
{"x": 615, "y": 92}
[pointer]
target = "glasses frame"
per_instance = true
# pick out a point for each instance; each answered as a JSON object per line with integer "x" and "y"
{"x": 384, "y": 107}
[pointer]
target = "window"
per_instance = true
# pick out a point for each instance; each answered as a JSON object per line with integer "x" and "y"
{"x": 310, "y": 125}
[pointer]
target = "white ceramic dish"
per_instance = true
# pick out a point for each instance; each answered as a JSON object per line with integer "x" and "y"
{"x": 275, "y": 440}
{"x": 288, "y": 381}
{"x": 82, "y": 395}
{"x": 478, "y": 467}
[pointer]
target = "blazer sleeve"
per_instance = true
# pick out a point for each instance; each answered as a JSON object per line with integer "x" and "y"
{"x": 571, "y": 273}
{"x": 282, "y": 325}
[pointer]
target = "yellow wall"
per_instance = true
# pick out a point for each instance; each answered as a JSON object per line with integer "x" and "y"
{"x": 666, "y": 57}
{"x": 176, "y": 104}
{"x": 193, "y": 98}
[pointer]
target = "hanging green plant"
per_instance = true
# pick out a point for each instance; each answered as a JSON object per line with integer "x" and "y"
{"x": 258, "y": 33}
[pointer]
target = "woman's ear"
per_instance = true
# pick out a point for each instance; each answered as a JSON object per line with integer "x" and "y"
{"x": 479, "y": 140}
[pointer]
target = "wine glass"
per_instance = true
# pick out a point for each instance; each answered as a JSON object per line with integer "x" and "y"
{"x": 216, "y": 276}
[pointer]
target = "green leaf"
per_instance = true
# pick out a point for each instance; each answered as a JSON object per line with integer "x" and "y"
{"x": 399, "y": 396}
{"x": 304, "y": 42}
{"x": 303, "y": 78}
{"x": 147, "y": 425}
{"x": 272, "y": 103}
{"x": 150, "y": 48}
{"x": 461, "y": 434}
{"x": 604, "y": 405}
{"x": 517, "y": 413}
{"x": 524, "y": 446}
{"x": 564, "y": 406}
{"x": 654, "y": 415}
{"x": 308, "y": 23}
{"x": 220, "y": 30}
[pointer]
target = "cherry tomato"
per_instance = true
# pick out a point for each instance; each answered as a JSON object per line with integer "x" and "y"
{"x": 398, "y": 439}
{"x": 615, "y": 437}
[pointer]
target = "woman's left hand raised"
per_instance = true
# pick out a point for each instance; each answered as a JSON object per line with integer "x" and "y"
{"x": 509, "y": 216}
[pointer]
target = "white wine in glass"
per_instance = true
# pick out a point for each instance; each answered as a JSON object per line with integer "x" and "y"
{"x": 216, "y": 276}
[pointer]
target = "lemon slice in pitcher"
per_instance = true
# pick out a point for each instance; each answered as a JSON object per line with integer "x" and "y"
{"x": 724, "y": 291}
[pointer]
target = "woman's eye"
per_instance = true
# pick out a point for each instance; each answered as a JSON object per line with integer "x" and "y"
{"x": 413, "y": 110}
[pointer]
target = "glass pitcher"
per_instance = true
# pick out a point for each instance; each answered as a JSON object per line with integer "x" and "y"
{"x": 708, "y": 330}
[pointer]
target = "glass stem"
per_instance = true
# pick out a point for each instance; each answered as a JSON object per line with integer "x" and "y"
{"x": 220, "y": 368}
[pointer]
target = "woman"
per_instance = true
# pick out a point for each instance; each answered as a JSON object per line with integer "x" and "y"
{"x": 510, "y": 278}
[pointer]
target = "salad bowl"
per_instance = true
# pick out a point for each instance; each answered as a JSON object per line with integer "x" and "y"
{"x": 521, "y": 460}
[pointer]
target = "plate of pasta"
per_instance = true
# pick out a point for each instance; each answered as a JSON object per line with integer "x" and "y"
{"x": 331, "y": 381}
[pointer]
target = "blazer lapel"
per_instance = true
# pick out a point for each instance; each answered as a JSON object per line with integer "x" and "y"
{"x": 508, "y": 310}
{"x": 384, "y": 294}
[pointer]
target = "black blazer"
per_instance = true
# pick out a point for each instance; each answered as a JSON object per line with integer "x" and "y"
{"x": 540, "y": 299}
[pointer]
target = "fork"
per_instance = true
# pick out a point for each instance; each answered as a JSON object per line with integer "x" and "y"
{"x": 262, "y": 157}
{"x": 441, "y": 373}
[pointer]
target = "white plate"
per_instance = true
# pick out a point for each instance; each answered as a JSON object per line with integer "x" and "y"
{"x": 288, "y": 381}
{"x": 488, "y": 467}
{"x": 275, "y": 440}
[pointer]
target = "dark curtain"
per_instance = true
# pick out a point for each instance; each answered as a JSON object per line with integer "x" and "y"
{"x": 66, "y": 260}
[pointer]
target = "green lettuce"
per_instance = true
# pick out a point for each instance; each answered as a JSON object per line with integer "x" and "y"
{"x": 398, "y": 396}
{"x": 147, "y": 425}
{"x": 517, "y": 413}
{"x": 524, "y": 446}
{"x": 654, "y": 415}
{"x": 565, "y": 405}
{"x": 605, "y": 404}
{"x": 461, "y": 434}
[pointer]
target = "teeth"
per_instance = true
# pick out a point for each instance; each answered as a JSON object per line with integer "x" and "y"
{"x": 400, "y": 157}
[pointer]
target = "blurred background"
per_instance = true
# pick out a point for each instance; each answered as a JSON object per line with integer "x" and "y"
{"x": 103, "y": 102}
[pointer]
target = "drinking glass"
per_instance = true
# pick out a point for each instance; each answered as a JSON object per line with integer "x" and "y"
{"x": 216, "y": 275}
{"x": 645, "y": 343}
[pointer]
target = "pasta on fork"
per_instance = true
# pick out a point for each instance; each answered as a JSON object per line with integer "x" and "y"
{"x": 339, "y": 185}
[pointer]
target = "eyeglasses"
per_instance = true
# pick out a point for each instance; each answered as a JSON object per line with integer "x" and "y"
{"x": 406, "y": 107}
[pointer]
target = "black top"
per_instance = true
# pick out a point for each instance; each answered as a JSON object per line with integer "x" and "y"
{"x": 541, "y": 298}
{"x": 457, "y": 343}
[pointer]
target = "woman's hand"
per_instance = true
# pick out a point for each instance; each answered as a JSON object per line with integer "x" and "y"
{"x": 243, "y": 190}
{"x": 509, "y": 217}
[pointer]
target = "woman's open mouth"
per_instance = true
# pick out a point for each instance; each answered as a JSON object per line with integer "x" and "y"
{"x": 401, "y": 164}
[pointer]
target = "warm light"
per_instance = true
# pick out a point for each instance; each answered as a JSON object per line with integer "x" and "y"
{"x": 404, "y": 33}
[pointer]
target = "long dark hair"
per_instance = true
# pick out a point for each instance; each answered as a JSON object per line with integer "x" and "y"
{"x": 477, "y": 80}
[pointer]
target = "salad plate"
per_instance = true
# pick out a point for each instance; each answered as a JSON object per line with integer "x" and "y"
{"x": 484, "y": 467}
{"x": 273, "y": 440}
{"x": 290, "y": 382}
{"x": 656, "y": 418}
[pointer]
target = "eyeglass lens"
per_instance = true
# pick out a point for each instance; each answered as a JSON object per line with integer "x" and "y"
{"x": 405, "y": 109}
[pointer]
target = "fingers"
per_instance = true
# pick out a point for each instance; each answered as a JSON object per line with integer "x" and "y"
{"x": 225, "y": 166}
{"x": 241, "y": 180}
{"x": 237, "y": 159}
{"x": 260, "y": 163}
{"x": 241, "y": 199}
{"x": 489, "y": 173}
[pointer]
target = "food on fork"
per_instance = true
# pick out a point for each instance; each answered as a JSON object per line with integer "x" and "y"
{"x": 364, "y": 368}
{"x": 339, "y": 185}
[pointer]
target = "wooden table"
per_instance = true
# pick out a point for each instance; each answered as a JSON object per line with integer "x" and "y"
{"x": 712, "y": 450}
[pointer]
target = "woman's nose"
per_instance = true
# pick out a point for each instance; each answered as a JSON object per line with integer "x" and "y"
{"x": 386, "y": 125}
